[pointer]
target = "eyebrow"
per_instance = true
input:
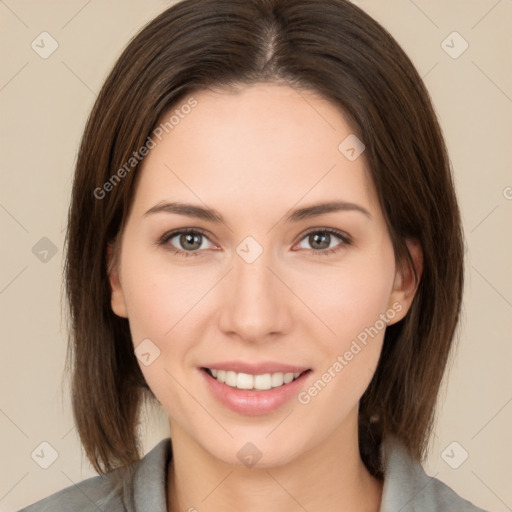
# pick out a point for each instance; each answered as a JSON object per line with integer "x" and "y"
{"x": 297, "y": 215}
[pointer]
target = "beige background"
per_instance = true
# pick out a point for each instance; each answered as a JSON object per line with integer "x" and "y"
{"x": 44, "y": 104}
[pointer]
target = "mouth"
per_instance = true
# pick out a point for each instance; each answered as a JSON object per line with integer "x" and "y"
{"x": 254, "y": 388}
{"x": 250, "y": 382}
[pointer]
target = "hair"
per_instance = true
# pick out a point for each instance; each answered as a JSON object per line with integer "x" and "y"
{"x": 327, "y": 46}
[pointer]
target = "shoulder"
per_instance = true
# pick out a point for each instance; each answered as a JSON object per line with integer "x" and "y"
{"x": 121, "y": 490}
{"x": 409, "y": 489}
{"x": 93, "y": 494}
{"x": 438, "y": 496}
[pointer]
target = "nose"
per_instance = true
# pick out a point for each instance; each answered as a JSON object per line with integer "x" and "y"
{"x": 256, "y": 304}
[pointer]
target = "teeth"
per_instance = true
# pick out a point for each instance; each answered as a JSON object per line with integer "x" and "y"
{"x": 248, "y": 381}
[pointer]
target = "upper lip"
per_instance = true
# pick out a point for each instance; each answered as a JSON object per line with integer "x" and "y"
{"x": 256, "y": 368}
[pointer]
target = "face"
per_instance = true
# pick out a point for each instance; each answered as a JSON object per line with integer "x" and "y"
{"x": 228, "y": 263}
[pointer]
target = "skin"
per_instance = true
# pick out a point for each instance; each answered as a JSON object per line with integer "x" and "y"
{"x": 253, "y": 155}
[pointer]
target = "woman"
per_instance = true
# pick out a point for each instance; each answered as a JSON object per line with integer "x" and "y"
{"x": 264, "y": 239}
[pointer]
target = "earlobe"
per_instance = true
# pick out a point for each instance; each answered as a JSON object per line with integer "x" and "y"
{"x": 117, "y": 301}
{"x": 406, "y": 282}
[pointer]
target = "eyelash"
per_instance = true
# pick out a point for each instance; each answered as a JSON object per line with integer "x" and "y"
{"x": 345, "y": 240}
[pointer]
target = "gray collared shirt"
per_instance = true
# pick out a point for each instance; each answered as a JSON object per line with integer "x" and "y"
{"x": 407, "y": 488}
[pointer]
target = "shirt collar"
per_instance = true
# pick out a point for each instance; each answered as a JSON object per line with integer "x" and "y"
{"x": 150, "y": 480}
{"x": 404, "y": 478}
{"x": 407, "y": 488}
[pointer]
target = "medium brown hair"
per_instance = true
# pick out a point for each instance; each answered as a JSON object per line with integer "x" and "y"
{"x": 328, "y": 46}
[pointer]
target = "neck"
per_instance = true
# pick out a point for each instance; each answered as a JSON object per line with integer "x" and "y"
{"x": 331, "y": 477}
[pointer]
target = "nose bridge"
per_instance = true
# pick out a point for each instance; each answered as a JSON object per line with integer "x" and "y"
{"x": 255, "y": 304}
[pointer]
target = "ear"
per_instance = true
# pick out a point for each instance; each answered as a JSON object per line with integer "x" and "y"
{"x": 117, "y": 301}
{"x": 405, "y": 284}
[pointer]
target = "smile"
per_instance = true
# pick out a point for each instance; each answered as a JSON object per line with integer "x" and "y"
{"x": 247, "y": 381}
{"x": 262, "y": 391}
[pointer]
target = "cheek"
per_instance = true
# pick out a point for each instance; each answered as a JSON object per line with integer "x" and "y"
{"x": 165, "y": 305}
{"x": 350, "y": 301}
{"x": 161, "y": 303}
{"x": 158, "y": 297}
{"x": 351, "y": 298}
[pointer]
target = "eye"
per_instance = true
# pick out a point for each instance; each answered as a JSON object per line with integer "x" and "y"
{"x": 321, "y": 241}
{"x": 187, "y": 242}
{"x": 190, "y": 242}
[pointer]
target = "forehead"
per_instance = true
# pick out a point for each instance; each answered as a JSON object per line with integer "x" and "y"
{"x": 263, "y": 144}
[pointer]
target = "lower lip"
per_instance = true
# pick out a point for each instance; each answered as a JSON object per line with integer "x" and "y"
{"x": 254, "y": 402}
